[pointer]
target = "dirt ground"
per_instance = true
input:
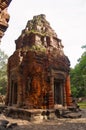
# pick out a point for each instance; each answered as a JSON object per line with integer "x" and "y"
{"x": 56, "y": 124}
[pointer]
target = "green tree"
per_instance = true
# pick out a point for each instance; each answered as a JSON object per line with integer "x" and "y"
{"x": 78, "y": 76}
{"x": 3, "y": 72}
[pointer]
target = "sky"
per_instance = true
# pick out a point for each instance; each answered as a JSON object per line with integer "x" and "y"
{"x": 66, "y": 17}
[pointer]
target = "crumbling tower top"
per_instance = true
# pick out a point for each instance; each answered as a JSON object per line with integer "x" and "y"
{"x": 39, "y": 34}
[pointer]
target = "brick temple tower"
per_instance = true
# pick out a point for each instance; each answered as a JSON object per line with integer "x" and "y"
{"x": 38, "y": 70}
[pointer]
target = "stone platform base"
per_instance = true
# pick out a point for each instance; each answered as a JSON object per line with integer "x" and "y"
{"x": 31, "y": 115}
{"x": 38, "y": 114}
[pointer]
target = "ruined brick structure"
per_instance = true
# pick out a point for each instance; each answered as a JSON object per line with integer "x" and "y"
{"x": 4, "y": 16}
{"x": 38, "y": 70}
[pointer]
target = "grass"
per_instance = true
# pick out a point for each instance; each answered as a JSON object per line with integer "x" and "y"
{"x": 82, "y": 105}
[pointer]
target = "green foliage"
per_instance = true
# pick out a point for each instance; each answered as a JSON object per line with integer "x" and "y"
{"x": 35, "y": 32}
{"x": 84, "y": 47}
{"x": 38, "y": 48}
{"x": 3, "y": 72}
{"x": 3, "y": 59}
{"x": 82, "y": 105}
{"x": 78, "y": 77}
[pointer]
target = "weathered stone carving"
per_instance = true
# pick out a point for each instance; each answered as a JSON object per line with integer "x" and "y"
{"x": 4, "y": 4}
{"x": 38, "y": 70}
{"x": 4, "y": 16}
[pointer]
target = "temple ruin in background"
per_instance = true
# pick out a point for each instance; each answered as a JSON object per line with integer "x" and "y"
{"x": 38, "y": 70}
{"x": 4, "y": 16}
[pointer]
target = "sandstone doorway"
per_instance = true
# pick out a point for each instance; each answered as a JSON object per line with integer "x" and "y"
{"x": 58, "y": 92}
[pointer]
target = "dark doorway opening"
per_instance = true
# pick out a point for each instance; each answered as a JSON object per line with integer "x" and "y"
{"x": 13, "y": 93}
{"x": 58, "y": 92}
